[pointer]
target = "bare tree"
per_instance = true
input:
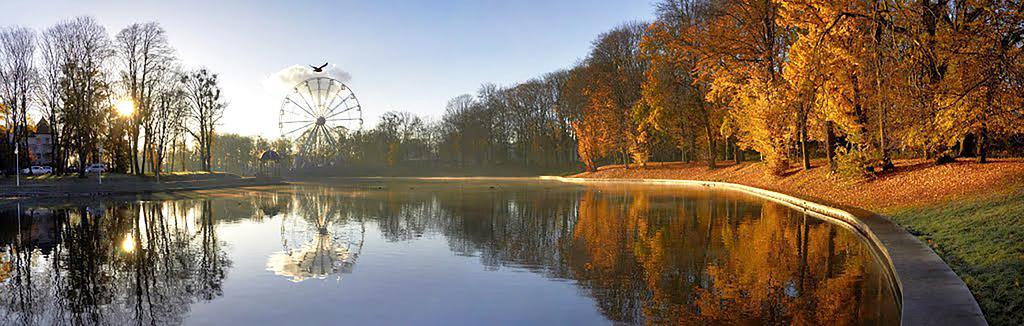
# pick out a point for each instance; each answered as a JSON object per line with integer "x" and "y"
{"x": 145, "y": 57}
{"x": 463, "y": 133}
{"x": 48, "y": 92}
{"x": 169, "y": 110}
{"x": 205, "y": 108}
{"x": 17, "y": 76}
{"x": 85, "y": 47}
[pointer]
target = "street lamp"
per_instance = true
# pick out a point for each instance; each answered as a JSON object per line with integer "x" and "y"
{"x": 17, "y": 165}
{"x": 99, "y": 174}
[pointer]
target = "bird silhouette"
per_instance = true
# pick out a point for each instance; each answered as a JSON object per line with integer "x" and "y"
{"x": 320, "y": 68}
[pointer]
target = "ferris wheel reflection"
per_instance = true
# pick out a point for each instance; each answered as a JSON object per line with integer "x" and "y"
{"x": 319, "y": 239}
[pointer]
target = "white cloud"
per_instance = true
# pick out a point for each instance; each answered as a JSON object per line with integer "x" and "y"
{"x": 282, "y": 81}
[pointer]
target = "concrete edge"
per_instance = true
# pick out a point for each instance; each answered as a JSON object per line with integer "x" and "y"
{"x": 929, "y": 291}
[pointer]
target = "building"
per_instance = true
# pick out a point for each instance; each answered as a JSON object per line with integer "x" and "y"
{"x": 40, "y": 144}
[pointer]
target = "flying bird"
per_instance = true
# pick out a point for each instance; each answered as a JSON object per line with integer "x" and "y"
{"x": 320, "y": 68}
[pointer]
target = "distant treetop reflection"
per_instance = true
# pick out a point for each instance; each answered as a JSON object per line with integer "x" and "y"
{"x": 639, "y": 254}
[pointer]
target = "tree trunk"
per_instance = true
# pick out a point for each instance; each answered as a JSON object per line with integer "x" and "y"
{"x": 830, "y": 145}
{"x": 711, "y": 146}
{"x": 737, "y": 153}
{"x": 861, "y": 117}
{"x": 133, "y": 146}
{"x": 145, "y": 155}
{"x": 81, "y": 163}
{"x": 982, "y": 140}
{"x": 727, "y": 150}
{"x": 802, "y": 131}
{"x": 804, "y": 157}
{"x": 691, "y": 151}
{"x": 883, "y": 104}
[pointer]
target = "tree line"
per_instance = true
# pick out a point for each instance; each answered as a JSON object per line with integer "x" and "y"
{"x": 868, "y": 80}
{"x": 860, "y": 83}
{"x": 123, "y": 99}
{"x": 857, "y": 82}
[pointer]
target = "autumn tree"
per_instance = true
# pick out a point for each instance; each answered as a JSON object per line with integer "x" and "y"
{"x": 234, "y": 153}
{"x": 828, "y": 72}
{"x": 598, "y": 131}
{"x": 982, "y": 93}
{"x": 740, "y": 52}
{"x": 676, "y": 98}
{"x": 616, "y": 72}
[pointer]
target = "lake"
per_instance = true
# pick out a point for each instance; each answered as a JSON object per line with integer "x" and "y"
{"x": 445, "y": 252}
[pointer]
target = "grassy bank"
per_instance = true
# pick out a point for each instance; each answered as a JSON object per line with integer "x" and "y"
{"x": 971, "y": 214}
{"x": 982, "y": 239}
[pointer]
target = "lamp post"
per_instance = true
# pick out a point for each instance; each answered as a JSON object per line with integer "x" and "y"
{"x": 17, "y": 165}
{"x": 100, "y": 173}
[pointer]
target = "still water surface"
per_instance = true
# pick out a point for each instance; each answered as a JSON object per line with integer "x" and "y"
{"x": 436, "y": 252}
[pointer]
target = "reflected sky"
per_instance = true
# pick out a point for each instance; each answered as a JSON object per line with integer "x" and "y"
{"x": 436, "y": 252}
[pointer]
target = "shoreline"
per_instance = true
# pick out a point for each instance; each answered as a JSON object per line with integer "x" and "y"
{"x": 929, "y": 290}
{"x": 126, "y": 186}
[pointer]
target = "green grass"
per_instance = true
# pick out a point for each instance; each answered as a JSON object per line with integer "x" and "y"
{"x": 982, "y": 239}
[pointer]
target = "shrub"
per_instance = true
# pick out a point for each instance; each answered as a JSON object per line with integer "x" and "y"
{"x": 855, "y": 162}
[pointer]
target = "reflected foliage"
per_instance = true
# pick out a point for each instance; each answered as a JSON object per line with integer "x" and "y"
{"x": 643, "y": 255}
{"x": 647, "y": 255}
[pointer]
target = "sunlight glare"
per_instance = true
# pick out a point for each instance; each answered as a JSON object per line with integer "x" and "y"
{"x": 128, "y": 245}
{"x": 125, "y": 107}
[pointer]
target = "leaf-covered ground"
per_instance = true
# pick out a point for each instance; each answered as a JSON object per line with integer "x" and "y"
{"x": 914, "y": 182}
{"x": 971, "y": 214}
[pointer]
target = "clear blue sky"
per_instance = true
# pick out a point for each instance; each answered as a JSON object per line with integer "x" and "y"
{"x": 402, "y": 55}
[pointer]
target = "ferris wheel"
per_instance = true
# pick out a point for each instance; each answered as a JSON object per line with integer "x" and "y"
{"x": 316, "y": 115}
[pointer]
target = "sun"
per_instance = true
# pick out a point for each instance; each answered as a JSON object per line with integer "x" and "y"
{"x": 128, "y": 244}
{"x": 125, "y": 107}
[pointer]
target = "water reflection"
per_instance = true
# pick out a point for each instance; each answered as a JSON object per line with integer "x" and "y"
{"x": 319, "y": 238}
{"x": 143, "y": 262}
{"x": 640, "y": 254}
